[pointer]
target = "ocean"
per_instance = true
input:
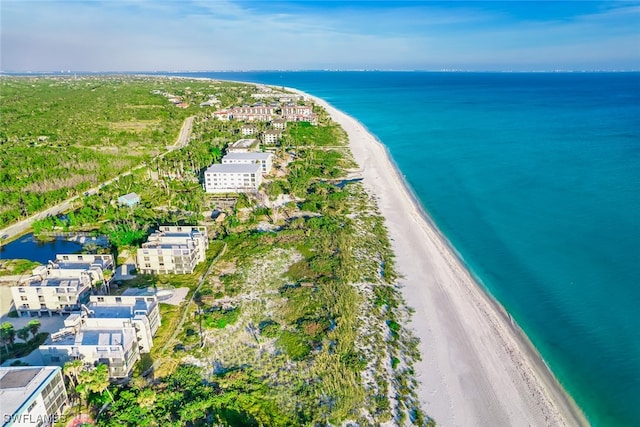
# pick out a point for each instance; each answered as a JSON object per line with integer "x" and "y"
{"x": 535, "y": 180}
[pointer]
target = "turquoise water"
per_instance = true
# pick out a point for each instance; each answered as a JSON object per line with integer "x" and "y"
{"x": 535, "y": 179}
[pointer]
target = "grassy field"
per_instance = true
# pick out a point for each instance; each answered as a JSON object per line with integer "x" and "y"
{"x": 75, "y": 132}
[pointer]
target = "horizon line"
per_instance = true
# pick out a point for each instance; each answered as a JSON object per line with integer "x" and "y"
{"x": 443, "y": 70}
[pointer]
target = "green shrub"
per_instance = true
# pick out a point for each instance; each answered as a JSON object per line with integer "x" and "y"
{"x": 295, "y": 345}
{"x": 221, "y": 318}
{"x": 270, "y": 329}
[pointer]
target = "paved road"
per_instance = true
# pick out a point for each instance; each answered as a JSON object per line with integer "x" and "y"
{"x": 67, "y": 205}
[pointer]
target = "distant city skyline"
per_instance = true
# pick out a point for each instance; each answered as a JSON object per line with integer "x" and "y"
{"x": 197, "y": 35}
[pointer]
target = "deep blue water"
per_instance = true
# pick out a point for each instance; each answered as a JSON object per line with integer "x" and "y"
{"x": 28, "y": 247}
{"x": 535, "y": 179}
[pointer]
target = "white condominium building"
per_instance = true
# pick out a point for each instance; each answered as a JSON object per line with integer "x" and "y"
{"x": 233, "y": 178}
{"x": 272, "y": 136}
{"x": 173, "y": 250}
{"x": 140, "y": 311}
{"x": 62, "y": 285}
{"x": 115, "y": 347}
{"x": 110, "y": 329}
{"x": 264, "y": 159}
{"x": 32, "y": 395}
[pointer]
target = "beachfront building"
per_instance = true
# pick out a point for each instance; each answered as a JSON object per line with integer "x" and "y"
{"x": 244, "y": 145}
{"x": 271, "y": 136}
{"x": 255, "y": 112}
{"x": 293, "y": 112}
{"x": 116, "y": 347}
{"x": 173, "y": 250}
{"x": 62, "y": 285}
{"x": 113, "y": 330}
{"x": 233, "y": 178}
{"x": 32, "y": 395}
{"x": 138, "y": 309}
{"x": 264, "y": 159}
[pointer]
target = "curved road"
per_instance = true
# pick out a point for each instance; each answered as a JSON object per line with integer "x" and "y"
{"x": 20, "y": 227}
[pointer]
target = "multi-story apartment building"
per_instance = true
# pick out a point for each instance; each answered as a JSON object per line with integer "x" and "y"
{"x": 279, "y": 124}
{"x": 233, "y": 178}
{"x": 248, "y": 130}
{"x": 292, "y": 112}
{"x": 173, "y": 250}
{"x": 255, "y": 112}
{"x": 110, "y": 329}
{"x": 115, "y": 347}
{"x": 271, "y": 136}
{"x": 137, "y": 309}
{"x": 62, "y": 285}
{"x": 264, "y": 159}
{"x": 32, "y": 395}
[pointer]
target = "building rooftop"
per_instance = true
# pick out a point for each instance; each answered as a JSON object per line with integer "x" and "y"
{"x": 63, "y": 282}
{"x": 244, "y": 143}
{"x": 103, "y": 337}
{"x": 19, "y": 384}
{"x": 235, "y": 168}
{"x": 130, "y": 197}
{"x": 140, "y": 292}
{"x": 247, "y": 156}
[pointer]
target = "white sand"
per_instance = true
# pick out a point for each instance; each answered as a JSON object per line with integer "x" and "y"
{"x": 477, "y": 369}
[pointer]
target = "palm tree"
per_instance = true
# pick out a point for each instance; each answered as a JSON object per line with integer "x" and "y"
{"x": 34, "y": 326}
{"x": 100, "y": 382}
{"x": 23, "y": 334}
{"x": 72, "y": 370}
{"x": 7, "y": 335}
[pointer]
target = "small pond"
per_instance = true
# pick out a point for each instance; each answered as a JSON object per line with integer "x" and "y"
{"x": 28, "y": 247}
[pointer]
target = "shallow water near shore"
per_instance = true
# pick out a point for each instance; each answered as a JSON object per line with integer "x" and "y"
{"x": 534, "y": 178}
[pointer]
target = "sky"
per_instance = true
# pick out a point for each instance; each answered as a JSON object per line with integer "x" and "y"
{"x": 222, "y": 35}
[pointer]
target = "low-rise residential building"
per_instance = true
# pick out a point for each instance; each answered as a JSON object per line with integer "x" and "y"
{"x": 32, "y": 395}
{"x": 256, "y": 112}
{"x": 129, "y": 200}
{"x": 115, "y": 347}
{"x": 248, "y": 130}
{"x": 233, "y": 178}
{"x": 109, "y": 329}
{"x": 271, "y": 136}
{"x": 264, "y": 159}
{"x": 173, "y": 250}
{"x": 292, "y": 112}
{"x": 62, "y": 285}
{"x": 223, "y": 115}
{"x": 139, "y": 310}
{"x": 244, "y": 145}
{"x": 279, "y": 124}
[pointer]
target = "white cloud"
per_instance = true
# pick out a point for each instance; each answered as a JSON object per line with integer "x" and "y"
{"x": 148, "y": 35}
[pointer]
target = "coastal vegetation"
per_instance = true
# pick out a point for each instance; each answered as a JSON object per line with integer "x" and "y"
{"x": 295, "y": 318}
{"x": 60, "y": 136}
{"x": 29, "y": 335}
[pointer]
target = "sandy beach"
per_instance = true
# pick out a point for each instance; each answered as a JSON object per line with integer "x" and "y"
{"x": 477, "y": 367}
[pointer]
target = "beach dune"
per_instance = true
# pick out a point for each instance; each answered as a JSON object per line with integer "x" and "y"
{"x": 477, "y": 368}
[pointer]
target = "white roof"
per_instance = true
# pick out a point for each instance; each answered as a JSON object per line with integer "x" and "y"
{"x": 235, "y": 168}
{"x": 19, "y": 384}
{"x": 247, "y": 156}
{"x": 244, "y": 143}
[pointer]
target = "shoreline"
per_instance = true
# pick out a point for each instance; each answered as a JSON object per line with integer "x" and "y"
{"x": 478, "y": 366}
